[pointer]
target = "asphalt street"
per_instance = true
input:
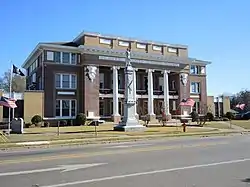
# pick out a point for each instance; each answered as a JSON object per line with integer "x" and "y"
{"x": 176, "y": 162}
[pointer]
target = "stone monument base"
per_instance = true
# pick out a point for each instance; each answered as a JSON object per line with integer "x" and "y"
{"x": 130, "y": 127}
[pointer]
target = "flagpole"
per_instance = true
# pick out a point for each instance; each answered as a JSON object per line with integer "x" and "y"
{"x": 10, "y": 95}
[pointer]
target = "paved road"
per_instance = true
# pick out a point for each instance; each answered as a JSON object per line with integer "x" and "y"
{"x": 187, "y": 162}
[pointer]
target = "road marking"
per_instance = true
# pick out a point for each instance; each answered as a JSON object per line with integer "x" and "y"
{"x": 127, "y": 146}
{"x": 103, "y": 153}
{"x": 147, "y": 173}
{"x": 64, "y": 168}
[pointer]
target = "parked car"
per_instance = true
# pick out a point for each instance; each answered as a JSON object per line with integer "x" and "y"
{"x": 246, "y": 116}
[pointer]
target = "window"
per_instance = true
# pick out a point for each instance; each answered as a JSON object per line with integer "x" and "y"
{"x": 173, "y": 86}
{"x": 161, "y": 83}
{"x": 65, "y": 58}
{"x": 66, "y": 81}
{"x": 157, "y": 48}
{"x": 123, "y": 43}
{"x": 105, "y": 41}
{"x": 119, "y": 81}
{"x": 196, "y": 107}
{"x": 194, "y": 69}
{"x": 141, "y": 46}
{"x": 101, "y": 80}
{"x": 145, "y": 83}
{"x": 73, "y": 58}
{"x": 34, "y": 78}
{"x": 50, "y": 55}
{"x": 195, "y": 87}
{"x": 65, "y": 108}
{"x": 101, "y": 108}
{"x": 172, "y": 50}
{"x": 57, "y": 57}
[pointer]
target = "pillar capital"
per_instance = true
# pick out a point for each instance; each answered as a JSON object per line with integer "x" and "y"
{"x": 115, "y": 68}
{"x": 165, "y": 71}
{"x": 150, "y": 70}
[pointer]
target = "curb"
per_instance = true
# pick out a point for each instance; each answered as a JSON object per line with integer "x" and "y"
{"x": 97, "y": 140}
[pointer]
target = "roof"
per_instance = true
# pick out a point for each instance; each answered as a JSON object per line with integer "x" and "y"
{"x": 126, "y": 39}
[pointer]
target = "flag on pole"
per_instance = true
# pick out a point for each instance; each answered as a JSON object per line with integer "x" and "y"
{"x": 240, "y": 106}
{"x": 187, "y": 102}
{"x": 8, "y": 102}
{"x": 17, "y": 71}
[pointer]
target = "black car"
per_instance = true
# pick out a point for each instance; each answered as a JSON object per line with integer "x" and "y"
{"x": 246, "y": 116}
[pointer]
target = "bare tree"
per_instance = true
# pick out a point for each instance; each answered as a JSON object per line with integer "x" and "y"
{"x": 18, "y": 82}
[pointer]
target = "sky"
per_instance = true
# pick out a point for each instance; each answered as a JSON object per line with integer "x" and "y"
{"x": 217, "y": 31}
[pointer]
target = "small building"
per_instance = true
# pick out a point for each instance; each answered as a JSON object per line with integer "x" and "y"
{"x": 218, "y": 105}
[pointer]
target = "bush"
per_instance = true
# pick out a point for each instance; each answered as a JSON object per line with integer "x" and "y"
{"x": 210, "y": 116}
{"x": 80, "y": 119}
{"x": 27, "y": 125}
{"x": 46, "y": 124}
{"x": 63, "y": 123}
{"x": 194, "y": 116}
{"x": 229, "y": 115}
{"x": 36, "y": 120}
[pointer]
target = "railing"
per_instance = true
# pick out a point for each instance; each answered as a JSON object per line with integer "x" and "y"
{"x": 105, "y": 91}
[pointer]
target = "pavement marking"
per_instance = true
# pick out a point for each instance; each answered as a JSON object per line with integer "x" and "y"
{"x": 127, "y": 146}
{"x": 147, "y": 173}
{"x": 33, "y": 143}
{"x": 103, "y": 153}
{"x": 64, "y": 168}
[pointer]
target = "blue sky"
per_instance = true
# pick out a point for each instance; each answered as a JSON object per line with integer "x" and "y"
{"x": 218, "y": 31}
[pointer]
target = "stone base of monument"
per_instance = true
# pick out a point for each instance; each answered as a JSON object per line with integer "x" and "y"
{"x": 116, "y": 119}
{"x": 130, "y": 126}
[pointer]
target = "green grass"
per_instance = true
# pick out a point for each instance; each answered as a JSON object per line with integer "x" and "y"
{"x": 219, "y": 125}
{"x": 242, "y": 123}
{"x": 88, "y": 132}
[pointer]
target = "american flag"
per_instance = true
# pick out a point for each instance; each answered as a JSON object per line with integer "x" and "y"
{"x": 241, "y": 106}
{"x": 187, "y": 102}
{"x": 8, "y": 102}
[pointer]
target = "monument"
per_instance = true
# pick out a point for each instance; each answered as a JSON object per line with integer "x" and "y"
{"x": 129, "y": 122}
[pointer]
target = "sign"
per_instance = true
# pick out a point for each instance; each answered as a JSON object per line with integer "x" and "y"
{"x": 139, "y": 61}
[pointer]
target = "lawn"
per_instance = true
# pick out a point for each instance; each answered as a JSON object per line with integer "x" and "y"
{"x": 242, "y": 123}
{"x": 88, "y": 132}
{"x": 219, "y": 125}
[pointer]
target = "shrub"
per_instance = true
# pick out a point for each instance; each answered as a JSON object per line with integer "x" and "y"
{"x": 36, "y": 120}
{"x": 210, "y": 116}
{"x": 27, "y": 125}
{"x": 195, "y": 116}
{"x": 229, "y": 115}
{"x": 46, "y": 124}
{"x": 80, "y": 119}
{"x": 63, "y": 123}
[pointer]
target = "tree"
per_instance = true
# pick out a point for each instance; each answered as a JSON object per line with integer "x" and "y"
{"x": 18, "y": 83}
{"x": 243, "y": 97}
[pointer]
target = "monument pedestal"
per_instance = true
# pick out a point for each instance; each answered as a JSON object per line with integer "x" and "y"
{"x": 129, "y": 127}
{"x": 116, "y": 118}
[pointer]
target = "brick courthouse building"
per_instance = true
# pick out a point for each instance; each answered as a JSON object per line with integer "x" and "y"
{"x": 87, "y": 75}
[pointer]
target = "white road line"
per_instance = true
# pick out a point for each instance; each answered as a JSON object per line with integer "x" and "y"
{"x": 147, "y": 173}
{"x": 126, "y": 146}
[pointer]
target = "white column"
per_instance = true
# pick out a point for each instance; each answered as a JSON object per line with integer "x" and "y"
{"x": 115, "y": 91}
{"x": 166, "y": 91}
{"x": 135, "y": 95}
{"x": 150, "y": 92}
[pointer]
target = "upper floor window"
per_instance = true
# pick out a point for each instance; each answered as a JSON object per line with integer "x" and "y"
{"x": 195, "y": 70}
{"x": 62, "y": 57}
{"x": 101, "y": 80}
{"x": 32, "y": 67}
{"x": 123, "y": 43}
{"x": 195, "y": 87}
{"x": 157, "y": 48}
{"x": 141, "y": 46}
{"x": 172, "y": 50}
{"x": 65, "y": 81}
{"x": 105, "y": 41}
